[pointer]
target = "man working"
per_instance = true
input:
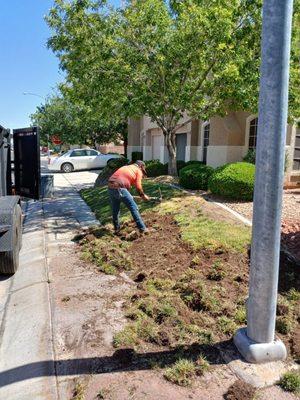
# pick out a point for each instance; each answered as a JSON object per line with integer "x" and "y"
{"x": 118, "y": 187}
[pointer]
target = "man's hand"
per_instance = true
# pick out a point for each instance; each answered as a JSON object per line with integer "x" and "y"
{"x": 145, "y": 197}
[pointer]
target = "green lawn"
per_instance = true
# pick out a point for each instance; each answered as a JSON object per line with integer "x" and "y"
{"x": 98, "y": 199}
{"x": 197, "y": 229}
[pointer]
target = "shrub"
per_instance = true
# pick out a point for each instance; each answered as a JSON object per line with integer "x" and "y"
{"x": 250, "y": 156}
{"x": 156, "y": 168}
{"x": 136, "y": 155}
{"x": 195, "y": 176}
{"x": 234, "y": 181}
{"x": 111, "y": 167}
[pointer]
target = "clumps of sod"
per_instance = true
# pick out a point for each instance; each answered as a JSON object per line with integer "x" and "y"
{"x": 184, "y": 370}
{"x": 290, "y": 382}
{"x": 182, "y": 312}
{"x": 107, "y": 252}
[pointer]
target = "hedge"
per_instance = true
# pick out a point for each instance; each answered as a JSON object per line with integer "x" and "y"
{"x": 156, "y": 168}
{"x": 110, "y": 168}
{"x": 136, "y": 155}
{"x": 195, "y": 176}
{"x": 234, "y": 181}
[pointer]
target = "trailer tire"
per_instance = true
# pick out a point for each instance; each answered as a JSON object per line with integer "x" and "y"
{"x": 9, "y": 260}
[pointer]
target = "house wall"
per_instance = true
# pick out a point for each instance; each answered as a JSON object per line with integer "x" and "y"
{"x": 134, "y": 136}
{"x": 228, "y": 142}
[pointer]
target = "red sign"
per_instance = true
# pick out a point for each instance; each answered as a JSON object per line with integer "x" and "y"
{"x": 56, "y": 140}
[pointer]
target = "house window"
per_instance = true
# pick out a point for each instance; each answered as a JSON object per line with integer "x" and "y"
{"x": 206, "y": 131}
{"x": 253, "y": 134}
{"x": 296, "y": 163}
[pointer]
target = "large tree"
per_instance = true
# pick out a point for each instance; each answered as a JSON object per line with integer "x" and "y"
{"x": 75, "y": 123}
{"x": 161, "y": 59}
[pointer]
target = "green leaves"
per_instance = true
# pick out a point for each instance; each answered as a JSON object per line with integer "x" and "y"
{"x": 164, "y": 58}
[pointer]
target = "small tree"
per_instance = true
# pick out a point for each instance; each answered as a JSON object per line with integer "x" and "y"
{"x": 161, "y": 59}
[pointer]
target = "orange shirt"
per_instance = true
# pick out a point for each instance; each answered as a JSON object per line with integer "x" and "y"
{"x": 127, "y": 176}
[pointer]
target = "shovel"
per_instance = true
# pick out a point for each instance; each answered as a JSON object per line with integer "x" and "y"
{"x": 157, "y": 199}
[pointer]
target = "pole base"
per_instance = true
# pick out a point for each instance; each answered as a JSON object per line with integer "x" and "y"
{"x": 258, "y": 353}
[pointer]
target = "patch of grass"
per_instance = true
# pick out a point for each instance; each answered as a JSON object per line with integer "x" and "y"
{"x": 284, "y": 325}
{"x": 183, "y": 371}
{"x": 293, "y": 295}
{"x": 203, "y": 232}
{"x": 240, "y": 315}
{"x": 217, "y": 271}
{"x": 290, "y": 382}
{"x": 196, "y": 296}
{"x": 126, "y": 337}
{"x": 98, "y": 199}
{"x": 109, "y": 256}
{"x": 226, "y": 325}
{"x": 197, "y": 229}
{"x": 78, "y": 393}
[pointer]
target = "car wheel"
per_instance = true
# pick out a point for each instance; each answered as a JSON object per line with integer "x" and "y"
{"x": 67, "y": 167}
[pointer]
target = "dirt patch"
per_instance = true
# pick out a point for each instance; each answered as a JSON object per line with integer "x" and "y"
{"x": 240, "y": 391}
{"x": 186, "y": 296}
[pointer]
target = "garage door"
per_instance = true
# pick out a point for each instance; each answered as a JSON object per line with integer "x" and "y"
{"x": 181, "y": 140}
{"x": 156, "y": 143}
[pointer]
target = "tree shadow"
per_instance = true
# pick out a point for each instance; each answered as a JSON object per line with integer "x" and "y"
{"x": 121, "y": 361}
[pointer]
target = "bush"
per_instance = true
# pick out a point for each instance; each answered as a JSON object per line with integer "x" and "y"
{"x": 156, "y": 168}
{"x": 195, "y": 176}
{"x": 194, "y": 162}
{"x": 234, "y": 181}
{"x": 136, "y": 155}
{"x": 110, "y": 168}
{"x": 250, "y": 157}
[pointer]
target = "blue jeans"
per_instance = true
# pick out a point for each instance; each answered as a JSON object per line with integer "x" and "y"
{"x": 118, "y": 196}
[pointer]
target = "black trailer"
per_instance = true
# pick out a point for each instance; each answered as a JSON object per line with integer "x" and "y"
{"x": 26, "y": 172}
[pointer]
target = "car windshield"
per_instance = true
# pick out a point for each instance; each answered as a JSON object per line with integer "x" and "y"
{"x": 64, "y": 154}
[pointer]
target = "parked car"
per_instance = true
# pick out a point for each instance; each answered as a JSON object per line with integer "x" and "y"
{"x": 79, "y": 159}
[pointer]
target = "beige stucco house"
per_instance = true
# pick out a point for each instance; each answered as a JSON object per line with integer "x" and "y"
{"x": 216, "y": 142}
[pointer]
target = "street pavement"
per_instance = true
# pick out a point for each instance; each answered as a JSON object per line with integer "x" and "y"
{"x": 27, "y": 367}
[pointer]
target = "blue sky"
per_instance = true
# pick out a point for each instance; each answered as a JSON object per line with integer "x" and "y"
{"x": 26, "y": 63}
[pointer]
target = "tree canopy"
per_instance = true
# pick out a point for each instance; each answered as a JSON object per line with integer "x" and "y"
{"x": 163, "y": 59}
{"x": 75, "y": 124}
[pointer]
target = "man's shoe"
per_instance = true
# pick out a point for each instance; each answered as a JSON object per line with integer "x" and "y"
{"x": 117, "y": 232}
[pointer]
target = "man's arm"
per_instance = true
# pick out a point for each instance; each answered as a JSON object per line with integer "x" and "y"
{"x": 139, "y": 186}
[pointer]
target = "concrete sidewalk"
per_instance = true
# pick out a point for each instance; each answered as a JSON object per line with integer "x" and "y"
{"x": 27, "y": 369}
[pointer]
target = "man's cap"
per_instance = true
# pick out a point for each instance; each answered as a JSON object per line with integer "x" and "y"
{"x": 142, "y": 165}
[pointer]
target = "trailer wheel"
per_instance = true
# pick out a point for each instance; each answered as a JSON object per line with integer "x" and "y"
{"x": 9, "y": 260}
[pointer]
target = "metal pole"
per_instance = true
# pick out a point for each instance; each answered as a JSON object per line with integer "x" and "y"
{"x": 257, "y": 343}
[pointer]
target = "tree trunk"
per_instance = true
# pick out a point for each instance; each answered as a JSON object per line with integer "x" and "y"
{"x": 171, "y": 146}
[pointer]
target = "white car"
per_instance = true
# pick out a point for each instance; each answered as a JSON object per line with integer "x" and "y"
{"x": 78, "y": 159}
